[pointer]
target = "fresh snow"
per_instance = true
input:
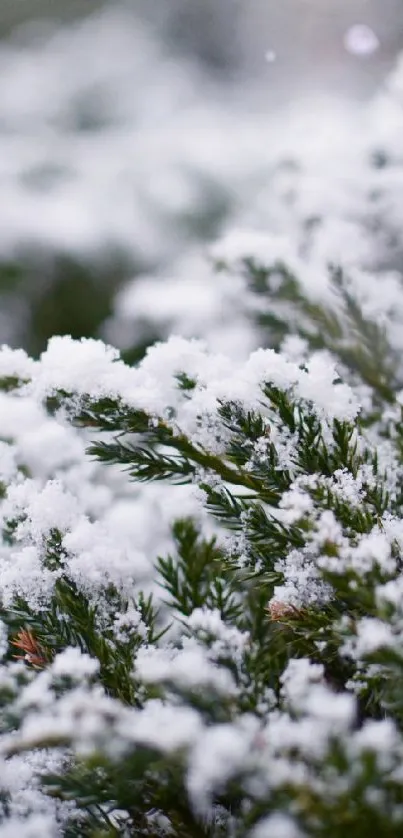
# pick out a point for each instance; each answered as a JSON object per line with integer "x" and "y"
{"x": 294, "y": 198}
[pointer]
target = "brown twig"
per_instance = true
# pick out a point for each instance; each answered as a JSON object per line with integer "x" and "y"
{"x": 33, "y": 653}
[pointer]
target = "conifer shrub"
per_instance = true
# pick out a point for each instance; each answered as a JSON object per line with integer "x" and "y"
{"x": 201, "y": 579}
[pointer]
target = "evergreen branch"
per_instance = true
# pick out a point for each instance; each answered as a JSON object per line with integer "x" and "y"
{"x": 144, "y": 464}
{"x": 359, "y": 343}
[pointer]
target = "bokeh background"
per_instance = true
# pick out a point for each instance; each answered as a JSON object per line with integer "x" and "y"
{"x": 135, "y": 132}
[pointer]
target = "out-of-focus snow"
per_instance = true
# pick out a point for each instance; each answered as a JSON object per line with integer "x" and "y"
{"x": 361, "y": 40}
{"x": 115, "y": 136}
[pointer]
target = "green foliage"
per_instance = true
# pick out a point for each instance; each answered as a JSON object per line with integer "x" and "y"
{"x": 261, "y": 673}
{"x": 360, "y": 344}
{"x": 49, "y": 294}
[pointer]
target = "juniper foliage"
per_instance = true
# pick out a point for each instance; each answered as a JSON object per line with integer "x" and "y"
{"x": 248, "y": 681}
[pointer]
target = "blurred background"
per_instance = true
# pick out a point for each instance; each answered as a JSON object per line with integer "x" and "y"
{"x": 135, "y": 132}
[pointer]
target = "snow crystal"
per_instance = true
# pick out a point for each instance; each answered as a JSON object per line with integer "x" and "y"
{"x": 298, "y": 678}
{"x": 189, "y": 668}
{"x": 379, "y": 737}
{"x": 15, "y": 363}
{"x": 279, "y": 825}
{"x": 48, "y": 446}
{"x": 144, "y": 518}
{"x": 335, "y": 400}
{"x": 305, "y": 692}
{"x": 349, "y": 488}
{"x": 228, "y": 640}
{"x": 220, "y": 754}
{"x": 3, "y": 639}
{"x": 129, "y": 623}
{"x": 335, "y": 710}
{"x": 22, "y": 574}
{"x": 303, "y": 584}
{"x": 391, "y": 592}
{"x": 372, "y": 634}
{"x": 35, "y": 826}
{"x": 37, "y": 693}
{"x": 42, "y": 444}
{"x": 294, "y": 505}
{"x": 372, "y": 550}
{"x": 74, "y": 664}
{"x": 265, "y": 249}
{"x": 84, "y": 366}
{"x": 393, "y": 529}
{"x": 167, "y": 728}
{"x": 86, "y": 717}
{"x": 98, "y": 557}
{"x": 309, "y": 735}
{"x": 361, "y": 40}
{"x": 43, "y": 510}
{"x": 89, "y": 367}
{"x": 159, "y": 822}
{"x": 8, "y": 465}
{"x": 187, "y": 300}
{"x": 28, "y": 805}
{"x": 295, "y": 348}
